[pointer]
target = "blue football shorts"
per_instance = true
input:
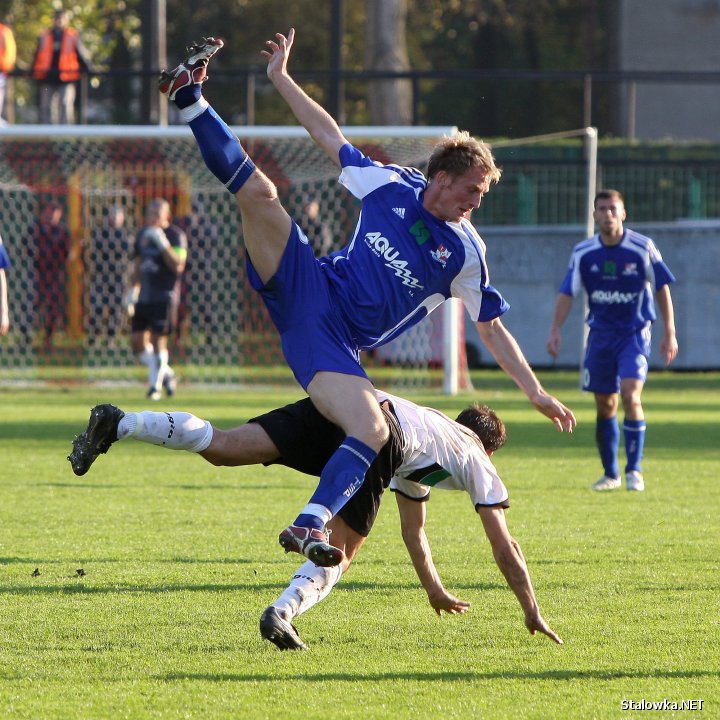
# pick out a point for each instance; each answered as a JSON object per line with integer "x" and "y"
{"x": 611, "y": 357}
{"x": 313, "y": 333}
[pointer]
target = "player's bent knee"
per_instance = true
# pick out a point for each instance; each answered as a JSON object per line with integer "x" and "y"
{"x": 379, "y": 435}
{"x": 258, "y": 188}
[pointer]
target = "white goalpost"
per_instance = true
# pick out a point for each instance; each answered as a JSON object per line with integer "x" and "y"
{"x": 225, "y": 334}
{"x": 589, "y": 136}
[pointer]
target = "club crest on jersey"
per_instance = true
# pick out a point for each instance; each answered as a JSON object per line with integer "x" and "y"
{"x": 442, "y": 255}
{"x": 630, "y": 269}
{"x": 381, "y": 247}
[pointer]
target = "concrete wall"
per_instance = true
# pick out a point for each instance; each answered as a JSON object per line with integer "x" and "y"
{"x": 673, "y": 35}
{"x": 527, "y": 265}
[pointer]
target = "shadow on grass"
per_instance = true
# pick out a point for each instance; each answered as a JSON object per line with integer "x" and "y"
{"x": 446, "y": 676}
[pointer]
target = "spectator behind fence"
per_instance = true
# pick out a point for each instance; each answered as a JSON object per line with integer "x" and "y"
{"x": 60, "y": 59}
{"x": 8, "y": 52}
{"x": 51, "y": 239}
{"x": 4, "y": 307}
{"x": 107, "y": 263}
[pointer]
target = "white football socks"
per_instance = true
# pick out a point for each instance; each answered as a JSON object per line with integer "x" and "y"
{"x": 174, "y": 430}
{"x": 148, "y": 358}
{"x": 163, "y": 368}
{"x": 321, "y": 512}
{"x": 308, "y": 587}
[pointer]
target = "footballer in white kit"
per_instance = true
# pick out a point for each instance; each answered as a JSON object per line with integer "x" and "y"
{"x": 441, "y": 453}
{"x": 425, "y": 449}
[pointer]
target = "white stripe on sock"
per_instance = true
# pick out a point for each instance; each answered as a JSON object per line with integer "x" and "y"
{"x": 195, "y": 110}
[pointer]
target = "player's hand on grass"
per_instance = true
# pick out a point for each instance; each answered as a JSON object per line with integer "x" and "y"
{"x": 445, "y": 602}
{"x": 535, "y": 623}
{"x": 562, "y": 417}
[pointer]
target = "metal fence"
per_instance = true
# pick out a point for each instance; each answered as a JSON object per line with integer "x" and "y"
{"x": 579, "y": 98}
{"x": 549, "y": 191}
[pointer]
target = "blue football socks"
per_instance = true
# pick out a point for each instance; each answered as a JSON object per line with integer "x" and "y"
{"x": 220, "y": 149}
{"x": 188, "y": 95}
{"x": 340, "y": 479}
{"x": 634, "y": 432}
{"x": 607, "y": 437}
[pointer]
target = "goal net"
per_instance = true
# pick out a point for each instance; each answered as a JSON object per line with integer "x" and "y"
{"x": 66, "y": 286}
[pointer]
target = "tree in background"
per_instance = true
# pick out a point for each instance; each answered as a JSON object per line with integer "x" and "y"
{"x": 389, "y": 101}
{"x": 517, "y": 35}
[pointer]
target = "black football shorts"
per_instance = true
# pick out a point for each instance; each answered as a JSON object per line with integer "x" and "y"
{"x": 306, "y": 441}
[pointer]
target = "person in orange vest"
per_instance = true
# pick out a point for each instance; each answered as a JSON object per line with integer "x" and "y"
{"x": 60, "y": 59}
{"x": 8, "y": 52}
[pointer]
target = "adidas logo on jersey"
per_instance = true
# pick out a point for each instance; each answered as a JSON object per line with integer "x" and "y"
{"x": 400, "y": 212}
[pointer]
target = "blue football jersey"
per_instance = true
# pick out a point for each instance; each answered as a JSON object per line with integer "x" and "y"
{"x": 402, "y": 262}
{"x": 618, "y": 280}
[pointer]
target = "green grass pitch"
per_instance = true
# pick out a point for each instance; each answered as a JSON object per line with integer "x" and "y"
{"x": 180, "y": 558}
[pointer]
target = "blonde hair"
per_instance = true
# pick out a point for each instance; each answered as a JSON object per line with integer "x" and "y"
{"x": 461, "y": 152}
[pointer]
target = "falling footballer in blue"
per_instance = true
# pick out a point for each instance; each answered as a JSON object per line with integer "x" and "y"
{"x": 414, "y": 247}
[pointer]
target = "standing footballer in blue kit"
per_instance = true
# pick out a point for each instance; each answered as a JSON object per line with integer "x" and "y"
{"x": 414, "y": 246}
{"x": 617, "y": 269}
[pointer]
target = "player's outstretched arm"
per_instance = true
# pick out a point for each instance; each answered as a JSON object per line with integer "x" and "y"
{"x": 412, "y": 523}
{"x": 510, "y": 358}
{"x": 323, "y": 129}
{"x": 511, "y": 561}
